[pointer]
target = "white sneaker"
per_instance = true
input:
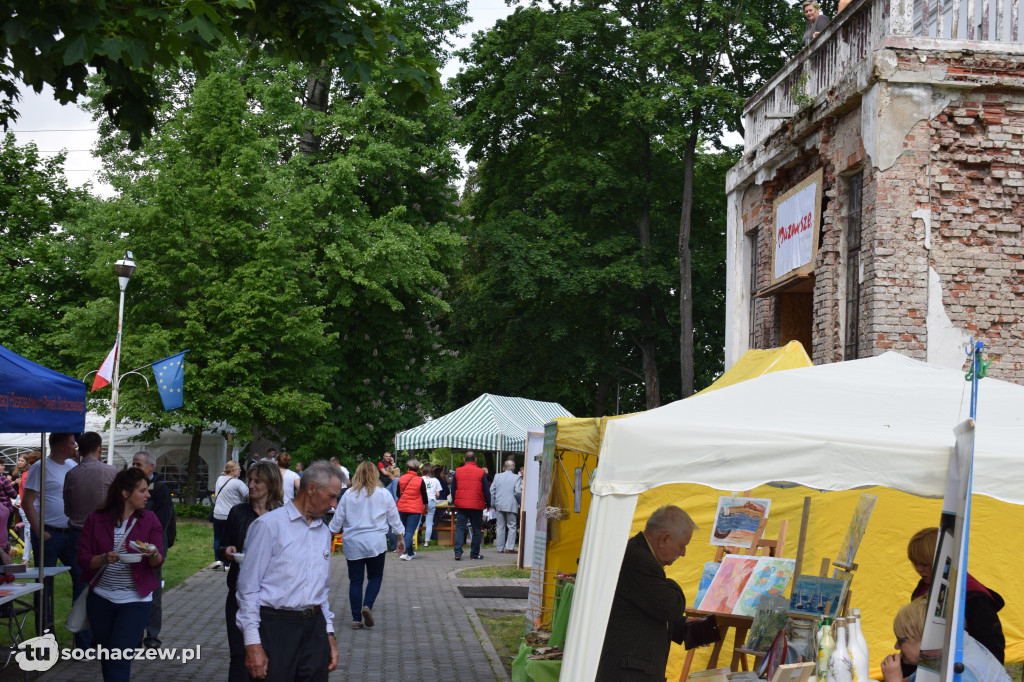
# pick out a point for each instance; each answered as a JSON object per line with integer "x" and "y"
{"x": 217, "y": 565}
{"x": 405, "y": 557}
{"x": 426, "y": 543}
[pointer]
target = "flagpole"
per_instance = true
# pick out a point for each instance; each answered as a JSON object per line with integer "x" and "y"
{"x": 124, "y": 269}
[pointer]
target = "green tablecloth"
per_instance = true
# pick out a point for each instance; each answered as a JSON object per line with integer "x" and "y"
{"x": 560, "y": 617}
{"x": 525, "y": 670}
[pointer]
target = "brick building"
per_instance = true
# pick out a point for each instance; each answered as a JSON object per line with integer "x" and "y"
{"x": 908, "y": 119}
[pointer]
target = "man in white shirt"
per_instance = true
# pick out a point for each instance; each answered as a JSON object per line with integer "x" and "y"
{"x": 53, "y": 531}
{"x": 283, "y": 609}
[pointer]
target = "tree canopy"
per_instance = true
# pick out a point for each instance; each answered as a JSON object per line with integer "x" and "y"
{"x": 126, "y": 43}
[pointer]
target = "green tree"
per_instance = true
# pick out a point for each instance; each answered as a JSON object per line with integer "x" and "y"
{"x": 127, "y": 43}
{"x": 587, "y": 121}
{"x": 303, "y": 280}
{"x": 37, "y": 268}
{"x": 572, "y": 218}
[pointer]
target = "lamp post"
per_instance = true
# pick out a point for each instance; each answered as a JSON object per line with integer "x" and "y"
{"x": 124, "y": 269}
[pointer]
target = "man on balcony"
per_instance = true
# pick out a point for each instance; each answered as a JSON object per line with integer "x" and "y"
{"x": 816, "y": 21}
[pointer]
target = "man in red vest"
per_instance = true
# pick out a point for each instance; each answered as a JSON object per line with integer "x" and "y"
{"x": 471, "y": 493}
{"x": 412, "y": 500}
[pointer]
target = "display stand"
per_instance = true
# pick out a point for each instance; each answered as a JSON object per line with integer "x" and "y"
{"x": 740, "y": 625}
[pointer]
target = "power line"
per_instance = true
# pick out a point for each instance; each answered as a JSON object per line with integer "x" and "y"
{"x": 55, "y": 130}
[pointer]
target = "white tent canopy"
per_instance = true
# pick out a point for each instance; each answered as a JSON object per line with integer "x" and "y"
{"x": 885, "y": 421}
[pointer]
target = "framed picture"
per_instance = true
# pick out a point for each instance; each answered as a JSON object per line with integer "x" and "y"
{"x": 814, "y": 596}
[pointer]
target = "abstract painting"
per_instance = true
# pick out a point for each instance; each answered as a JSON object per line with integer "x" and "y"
{"x": 737, "y": 519}
{"x": 855, "y": 533}
{"x": 710, "y": 569}
{"x": 725, "y": 589}
{"x": 770, "y": 578}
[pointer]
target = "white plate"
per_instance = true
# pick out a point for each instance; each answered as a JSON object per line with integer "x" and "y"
{"x": 136, "y": 546}
{"x": 239, "y": 557}
{"x": 130, "y": 558}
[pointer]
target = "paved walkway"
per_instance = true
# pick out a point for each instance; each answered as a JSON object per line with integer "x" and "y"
{"x": 427, "y": 629}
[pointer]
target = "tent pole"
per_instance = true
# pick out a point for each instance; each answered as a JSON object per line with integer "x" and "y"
{"x": 41, "y": 559}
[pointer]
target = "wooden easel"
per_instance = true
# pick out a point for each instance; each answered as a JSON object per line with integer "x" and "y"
{"x": 823, "y": 573}
{"x": 740, "y": 625}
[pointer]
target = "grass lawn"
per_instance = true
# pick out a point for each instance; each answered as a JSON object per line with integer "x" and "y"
{"x": 193, "y": 549}
{"x": 495, "y": 572}
{"x": 505, "y": 630}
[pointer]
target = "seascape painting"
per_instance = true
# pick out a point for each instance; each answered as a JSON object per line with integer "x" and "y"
{"x": 814, "y": 596}
{"x": 736, "y": 520}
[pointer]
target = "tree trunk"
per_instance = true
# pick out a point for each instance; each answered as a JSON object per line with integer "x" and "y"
{"x": 193, "y": 465}
{"x": 318, "y": 88}
{"x": 645, "y": 341}
{"x": 685, "y": 270}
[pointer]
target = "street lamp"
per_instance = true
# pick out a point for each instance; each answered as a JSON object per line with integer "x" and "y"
{"x": 124, "y": 269}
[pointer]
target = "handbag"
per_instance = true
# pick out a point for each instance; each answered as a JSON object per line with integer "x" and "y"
{"x": 209, "y": 517}
{"x": 78, "y": 618}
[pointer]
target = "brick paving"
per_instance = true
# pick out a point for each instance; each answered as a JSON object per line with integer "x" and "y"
{"x": 427, "y": 628}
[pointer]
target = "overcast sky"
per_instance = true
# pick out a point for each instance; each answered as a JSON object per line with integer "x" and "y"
{"x": 54, "y": 127}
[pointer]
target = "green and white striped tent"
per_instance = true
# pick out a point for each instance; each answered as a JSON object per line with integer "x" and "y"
{"x": 491, "y": 422}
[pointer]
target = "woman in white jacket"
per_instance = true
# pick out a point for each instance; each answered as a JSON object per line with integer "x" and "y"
{"x": 365, "y": 513}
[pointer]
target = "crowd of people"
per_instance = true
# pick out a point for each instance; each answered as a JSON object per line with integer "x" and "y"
{"x": 113, "y": 529}
{"x": 110, "y": 528}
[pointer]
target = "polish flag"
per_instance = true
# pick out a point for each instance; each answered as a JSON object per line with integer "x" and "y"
{"x": 106, "y": 370}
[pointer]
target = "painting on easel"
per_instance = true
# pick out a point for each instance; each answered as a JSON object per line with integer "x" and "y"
{"x": 737, "y": 519}
{"x": 710, "y": 569}
{"x": 770, "y": 578}
{"x": 725, "y": 589}
{"x": 855, "y": 533}
{"x": 814, "y": 596}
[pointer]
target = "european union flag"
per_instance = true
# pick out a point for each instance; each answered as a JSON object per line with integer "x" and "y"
{"x": 170, "y": 378}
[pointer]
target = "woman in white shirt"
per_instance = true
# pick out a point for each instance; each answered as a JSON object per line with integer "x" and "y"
{"x": 229, "y": 491}
{"x": 433, "y": 490}
{"x": 365, "y": 513}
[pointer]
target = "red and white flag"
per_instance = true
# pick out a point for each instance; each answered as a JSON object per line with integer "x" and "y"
{"x": 106, "y": 370}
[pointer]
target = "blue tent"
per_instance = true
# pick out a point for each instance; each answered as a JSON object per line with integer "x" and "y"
{"x": 37, "y": 399}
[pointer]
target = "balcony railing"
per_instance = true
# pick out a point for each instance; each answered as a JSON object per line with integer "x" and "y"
{"x": 866, "y": 26}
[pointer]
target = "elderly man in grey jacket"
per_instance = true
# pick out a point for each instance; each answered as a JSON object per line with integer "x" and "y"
{"x": 506, "y": 491}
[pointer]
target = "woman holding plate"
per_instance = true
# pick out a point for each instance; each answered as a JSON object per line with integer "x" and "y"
{"x": 123, "y": 543}
{"x": 265, "y": 494}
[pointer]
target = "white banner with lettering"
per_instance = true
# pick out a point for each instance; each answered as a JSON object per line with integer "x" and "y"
{"x": 794, "y": 230}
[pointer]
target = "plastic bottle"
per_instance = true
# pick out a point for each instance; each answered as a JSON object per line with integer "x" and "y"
{"x": 840, "y": 667}
{"x": 825, "y": 647}
{"x": 858, "y": 648}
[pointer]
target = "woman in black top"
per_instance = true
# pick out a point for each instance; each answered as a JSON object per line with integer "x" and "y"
{"x": 265, "y": 494}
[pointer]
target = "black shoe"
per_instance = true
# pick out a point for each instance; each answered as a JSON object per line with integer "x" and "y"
{"x": 152, "y": 643}
{"x": 476, "y": 557}
{"x": 458, "y": 558}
